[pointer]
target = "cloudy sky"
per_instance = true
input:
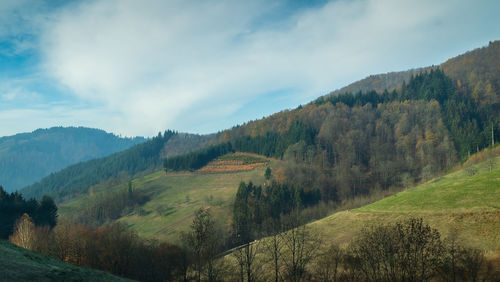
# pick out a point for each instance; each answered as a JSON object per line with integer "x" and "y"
{"x": 138, "y": 67}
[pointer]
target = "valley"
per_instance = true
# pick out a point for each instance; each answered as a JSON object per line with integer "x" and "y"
{"x": 414, "y": 152}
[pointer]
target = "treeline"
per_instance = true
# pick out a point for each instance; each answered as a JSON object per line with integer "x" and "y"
{"x": 255, "y": 206}
{"x": 77, "y": 179}
{"x": 114, "y": 249}
{"x": 404, "y": 251}
{"x": 274, "y": 144}
{"x": 13, "y": 206}
{"x": 104, "y": 207}
{"x": 198, "y": 159}
{"x": 360, "y": 98}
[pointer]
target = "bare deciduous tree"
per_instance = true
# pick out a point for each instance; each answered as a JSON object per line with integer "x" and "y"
{"x": 24, "y": 232}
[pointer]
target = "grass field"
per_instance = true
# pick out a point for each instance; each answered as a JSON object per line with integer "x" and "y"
{"x": 470, "y": 205}
{"x": 175, "y": 197}
{"x": 18, "y": 264}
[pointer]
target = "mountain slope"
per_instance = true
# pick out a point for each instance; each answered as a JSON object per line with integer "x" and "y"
{"x": 18, "y": 264}
{"x": 344, "y": 145}
{"x": 118, "y": 167}
{"x": 172, "y": 198}
{"x": 458, "y": 201}
{"x": 27, "y": 157}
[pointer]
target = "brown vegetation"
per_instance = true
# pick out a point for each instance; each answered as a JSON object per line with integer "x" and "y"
{"x": 235, "y": 162}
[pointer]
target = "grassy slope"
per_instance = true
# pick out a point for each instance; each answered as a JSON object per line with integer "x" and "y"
{"x": 468, "y": 204}
{"x": 18, "y": 264}
{"x": 175, "y": 197}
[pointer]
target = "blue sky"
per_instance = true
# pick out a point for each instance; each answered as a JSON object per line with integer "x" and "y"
{"x": 139, "y": 67}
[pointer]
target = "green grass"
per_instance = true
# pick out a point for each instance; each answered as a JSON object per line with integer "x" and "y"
{"x": 457, "y": 201}
{"x": 174, "y": 199}
{"x": 18, "y": 264}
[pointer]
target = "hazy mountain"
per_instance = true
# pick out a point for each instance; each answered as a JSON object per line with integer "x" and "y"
{"x": 27, "y": 157}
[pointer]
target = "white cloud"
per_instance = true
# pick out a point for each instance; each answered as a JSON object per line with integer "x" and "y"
{"x": 157, "y": 64}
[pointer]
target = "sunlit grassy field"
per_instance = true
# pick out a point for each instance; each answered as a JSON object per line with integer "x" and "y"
{"x": 458, "y": 202}
{"x": 174, "y": 199}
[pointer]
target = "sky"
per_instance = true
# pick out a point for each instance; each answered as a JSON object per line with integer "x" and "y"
{"x": 139, "y": 67}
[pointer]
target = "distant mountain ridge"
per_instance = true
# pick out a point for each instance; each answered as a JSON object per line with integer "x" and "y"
{"x": 28, "y": 157}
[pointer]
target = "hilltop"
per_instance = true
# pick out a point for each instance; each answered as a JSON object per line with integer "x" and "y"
{"x": 27, "y": 157}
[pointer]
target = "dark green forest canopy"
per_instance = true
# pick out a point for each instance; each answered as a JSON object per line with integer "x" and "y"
{"x": 13, "y": 206}
{"x": 198, "y": 159}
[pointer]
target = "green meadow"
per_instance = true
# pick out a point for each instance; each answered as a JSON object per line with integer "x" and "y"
{"x": 459, "y": 203}
{"x": 174, "y": 197}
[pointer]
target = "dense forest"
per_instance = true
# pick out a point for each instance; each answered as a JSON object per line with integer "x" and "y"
{"x": 351, "y": 144}
{"x": 27, "y": 157}
{"x": 13, "y": 206}
{"x": 198, "y": 159}
{"x": 80, "y": 177}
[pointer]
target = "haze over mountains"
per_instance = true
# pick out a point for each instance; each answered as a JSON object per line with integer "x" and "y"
{"x": 27, "y": 157}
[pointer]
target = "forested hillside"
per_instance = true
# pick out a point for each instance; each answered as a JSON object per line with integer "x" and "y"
{"x": 349, "y": 144}
{"x": 80, "y": 177}
{"x": 342, "y": 145}
{"x": 119, "y": 167}
{"x": 27, "y": 157}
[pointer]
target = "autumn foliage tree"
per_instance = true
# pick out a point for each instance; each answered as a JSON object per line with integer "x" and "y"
{"x": 24, "y": 233}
